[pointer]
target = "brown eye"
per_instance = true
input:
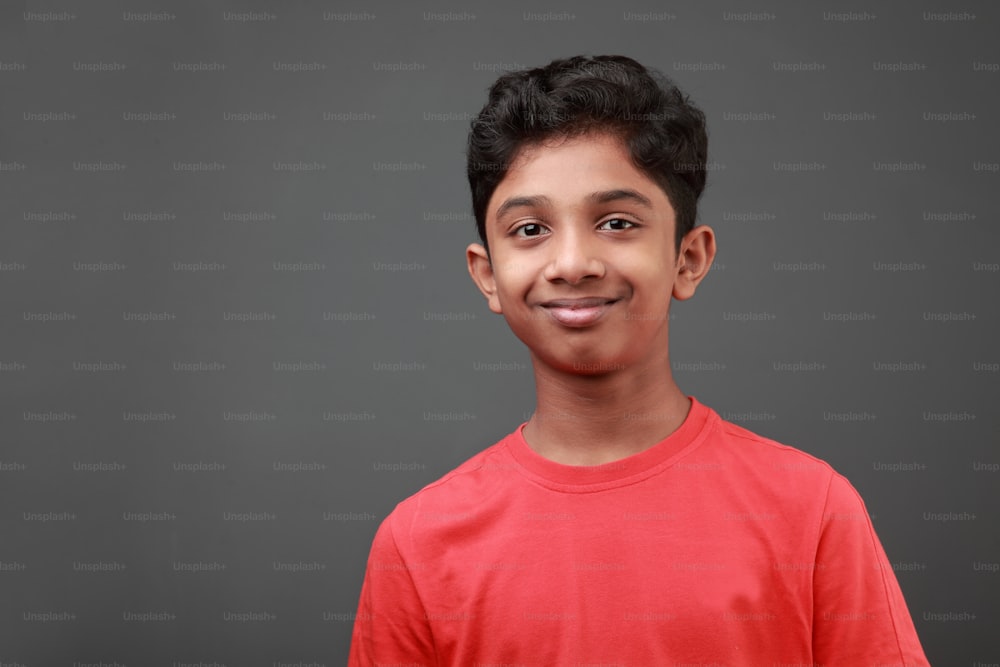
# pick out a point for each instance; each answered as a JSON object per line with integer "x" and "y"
{"x": 531, "y": 229}
{"x": 619, "y": 221}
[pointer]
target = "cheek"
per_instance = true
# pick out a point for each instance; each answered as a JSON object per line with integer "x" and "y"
{"x": 650, "y": 277}
{"x": 513, "y": 279}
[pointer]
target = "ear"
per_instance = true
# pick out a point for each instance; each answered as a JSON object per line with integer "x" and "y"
{"x": 481, "y": 270}
{"x": 696, "y": 254}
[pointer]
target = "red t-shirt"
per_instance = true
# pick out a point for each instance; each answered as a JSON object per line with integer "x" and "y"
{"x": 714, "y": 547}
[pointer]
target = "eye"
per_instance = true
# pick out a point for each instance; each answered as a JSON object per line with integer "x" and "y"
{"x": 619, "y": 220}
{"x": 530, "y": 229}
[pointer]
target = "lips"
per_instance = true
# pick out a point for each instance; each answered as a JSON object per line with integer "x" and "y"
{"x": 583, "y": 302}
{"x": 578, "y": 312}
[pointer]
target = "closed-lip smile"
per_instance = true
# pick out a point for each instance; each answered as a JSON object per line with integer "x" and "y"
{"x": 584, "y": 302}
{"x": 577, "y": 313}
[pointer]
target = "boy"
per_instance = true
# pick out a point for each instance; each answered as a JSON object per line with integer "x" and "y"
{"x": 624, "y": 523}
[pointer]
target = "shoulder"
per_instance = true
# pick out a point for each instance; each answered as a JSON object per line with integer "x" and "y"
{"x": 777, "y": 480}
{"x": 742, "y": 443}
{"x": 458, "y": 492}
{"x": 780, "y": 468}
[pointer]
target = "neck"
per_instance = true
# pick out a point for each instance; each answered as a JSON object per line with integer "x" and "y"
{"x": 596, "y": 419}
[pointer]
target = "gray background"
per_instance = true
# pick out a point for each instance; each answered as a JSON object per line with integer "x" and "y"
{"x": 184, "y": 213}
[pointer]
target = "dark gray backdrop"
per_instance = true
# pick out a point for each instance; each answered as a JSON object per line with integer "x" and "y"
{"x": 237, "y": 326}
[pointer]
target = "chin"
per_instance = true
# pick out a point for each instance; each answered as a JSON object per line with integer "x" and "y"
{"x": 586, "y": 365}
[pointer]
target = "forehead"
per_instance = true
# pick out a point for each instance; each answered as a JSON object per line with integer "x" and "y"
{"x": 601, "y": 144}
{"x": 571, "y": 169}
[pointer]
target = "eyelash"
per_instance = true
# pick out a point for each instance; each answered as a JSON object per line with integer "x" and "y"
{"x": 516, "y": 230}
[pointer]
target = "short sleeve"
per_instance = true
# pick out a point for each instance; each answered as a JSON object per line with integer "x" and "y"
{"x": 859, "y": 614}
{"x": 391, "y": 625}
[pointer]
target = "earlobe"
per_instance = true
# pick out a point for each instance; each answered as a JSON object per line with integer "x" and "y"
{"x": 481, "y": 271}
{"x": 696, "y": 256}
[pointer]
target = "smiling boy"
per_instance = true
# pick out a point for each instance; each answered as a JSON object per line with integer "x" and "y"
{"x": 625, "y": 523}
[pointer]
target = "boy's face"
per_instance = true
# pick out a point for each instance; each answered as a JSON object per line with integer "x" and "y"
{"x": 583, "y": 255}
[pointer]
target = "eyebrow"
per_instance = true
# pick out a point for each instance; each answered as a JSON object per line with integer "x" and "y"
{"x": 601, "y": 197}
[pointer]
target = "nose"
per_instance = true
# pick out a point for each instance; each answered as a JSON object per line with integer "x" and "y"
{"x": 575, "y": 256}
